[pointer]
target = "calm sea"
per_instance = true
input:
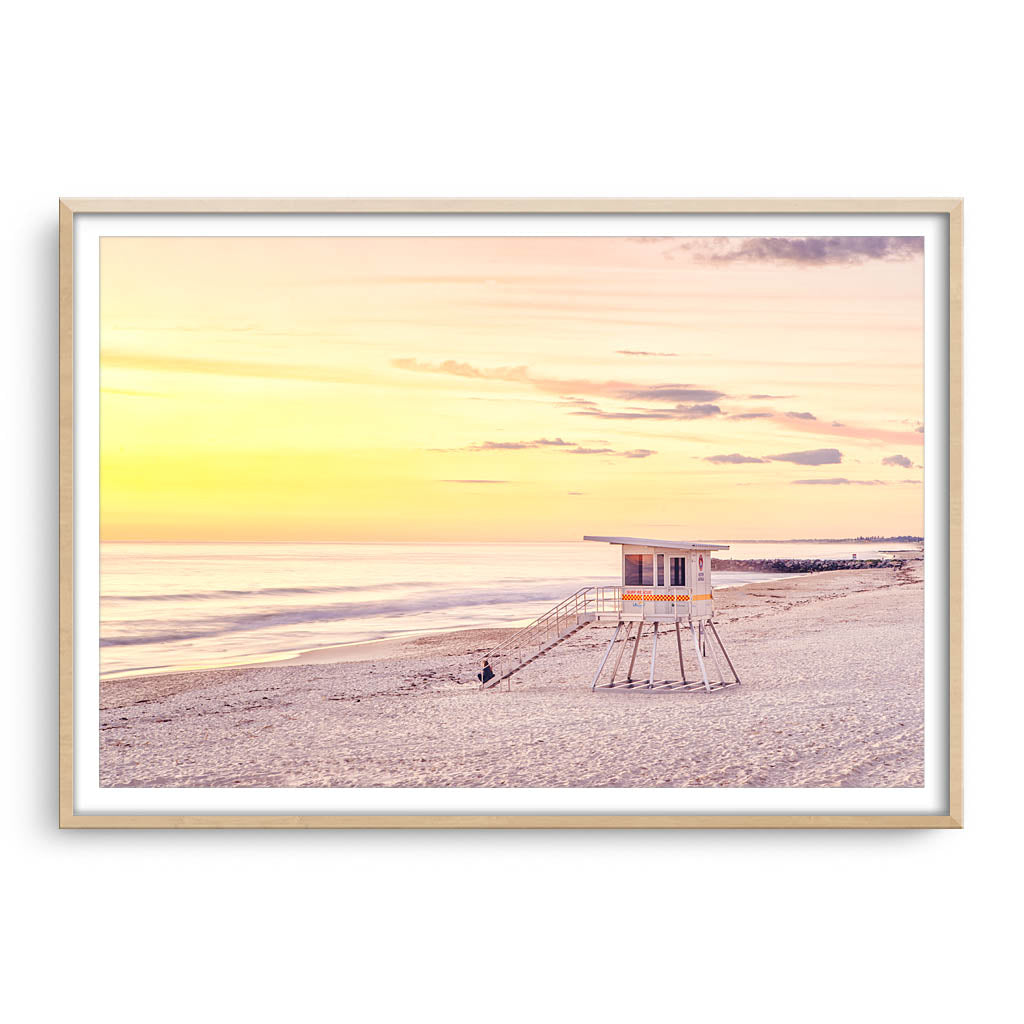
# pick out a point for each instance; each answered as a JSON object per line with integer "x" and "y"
{"x": 173, "y": 606}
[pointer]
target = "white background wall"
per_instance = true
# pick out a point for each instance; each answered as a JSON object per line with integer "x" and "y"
{"x": 512, "y": 99}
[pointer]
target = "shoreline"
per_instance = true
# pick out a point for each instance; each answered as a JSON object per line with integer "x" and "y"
{"x": 832, "y": 695}
{"x": 316, "y": 655}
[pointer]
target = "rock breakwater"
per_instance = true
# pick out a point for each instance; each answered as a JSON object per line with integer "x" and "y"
{"x": 803, "y": 564}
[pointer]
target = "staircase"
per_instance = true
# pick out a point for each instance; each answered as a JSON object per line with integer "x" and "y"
{"x": 554, "y": 627}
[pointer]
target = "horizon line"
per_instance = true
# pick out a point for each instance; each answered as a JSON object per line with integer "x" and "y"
{"x": 907, "y": 537}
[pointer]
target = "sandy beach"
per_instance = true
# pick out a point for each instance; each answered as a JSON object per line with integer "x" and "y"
{"x": 832, "y": 668}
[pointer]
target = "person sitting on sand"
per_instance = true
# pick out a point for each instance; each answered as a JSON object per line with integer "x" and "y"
{"x": 487, "y": 674}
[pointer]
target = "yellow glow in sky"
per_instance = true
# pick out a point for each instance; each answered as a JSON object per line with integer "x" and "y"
{"x": 510, "y": 388}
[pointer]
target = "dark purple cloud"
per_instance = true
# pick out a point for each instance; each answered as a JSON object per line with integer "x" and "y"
{"x": 751, "y": 416}
{"x": 839, "y": 250}
{"x": 801, "y": 416}
{"x": 669, "y": 393}
{"x": 897, "y": 460}
{"x": 816, "y": 457}
{"x": 734, "y": 459}
{"x": 695, "y": 412}
{"x": 638, "y": 453}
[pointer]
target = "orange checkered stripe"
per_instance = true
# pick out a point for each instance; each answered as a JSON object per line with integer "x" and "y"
{"x": 665, "y": 597}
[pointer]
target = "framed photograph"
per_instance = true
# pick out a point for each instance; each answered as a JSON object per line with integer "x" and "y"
{"x": 510, "y": 513}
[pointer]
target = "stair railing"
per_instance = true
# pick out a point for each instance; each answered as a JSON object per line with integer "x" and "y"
{"x": 582, "y": 606}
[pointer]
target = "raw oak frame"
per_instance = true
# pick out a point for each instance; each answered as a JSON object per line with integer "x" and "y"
{"x": 950, "y": 207}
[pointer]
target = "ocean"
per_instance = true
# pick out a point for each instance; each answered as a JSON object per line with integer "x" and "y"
{"x": 167, "y": 606}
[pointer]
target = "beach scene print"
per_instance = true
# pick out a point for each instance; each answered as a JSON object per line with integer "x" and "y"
{"x": 517, "y": 511}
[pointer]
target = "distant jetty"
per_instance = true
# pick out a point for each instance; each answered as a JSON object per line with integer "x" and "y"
{"x": 804, "y": 564}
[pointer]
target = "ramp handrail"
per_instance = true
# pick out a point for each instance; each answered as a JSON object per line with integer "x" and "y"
{"x": 577, "y": 609}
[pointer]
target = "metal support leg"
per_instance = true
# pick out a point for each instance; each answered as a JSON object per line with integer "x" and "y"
{"x": 654, "y": 654}
{"x": 679, "y": 647}
{"x": 732, "y": 667}
{"x": 636, "y": 647}
{"x": 714, "y": 655}
{"x": 622, "y": 651}
{"x": 606, "y": 655}
{"x": 700, "y": 659}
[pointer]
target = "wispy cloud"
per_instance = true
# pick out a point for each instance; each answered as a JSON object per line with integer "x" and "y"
{"x": 836, "y": 429}
{"x": 658, "y": 402}
{"x": 133, "y": 394}
{"x": 557, "y": 443}
{"x": 607, "y": 389}
{"x": 809, "y": 252}
{"x": 541, "y": 442}
{"x": 680, "y": 412}
{"x": 758, "y": 397}
{"x": 838, "y": 480}
{"x": 223, "y": 367}
{"x": 457, "y": 369}
{"x": 897, "y": 460}
{"x": 640, "y": 352}
{"x": 633, "y": 453}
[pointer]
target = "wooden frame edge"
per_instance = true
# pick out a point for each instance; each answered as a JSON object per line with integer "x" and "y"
{"x": 69, "y": 207}
{"x": 508, "y": 205}
{"x": 66, "y": 514}
{"x": 513, "y": 821}
{"x": 956, "y": 498}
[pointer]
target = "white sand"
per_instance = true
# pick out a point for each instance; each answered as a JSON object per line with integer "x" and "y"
{"x": 832, "y": 666}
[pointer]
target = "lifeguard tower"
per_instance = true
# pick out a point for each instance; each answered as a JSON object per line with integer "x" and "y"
{"x": 666, "y": 588}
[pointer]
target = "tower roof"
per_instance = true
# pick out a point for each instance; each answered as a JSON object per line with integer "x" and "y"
{"x": 647, "y": 542}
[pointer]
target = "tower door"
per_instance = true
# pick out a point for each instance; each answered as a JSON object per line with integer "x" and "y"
{"x": 677, "y": 568}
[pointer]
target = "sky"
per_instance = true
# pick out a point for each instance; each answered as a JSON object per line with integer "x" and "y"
{"x": 511, "y": 388}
